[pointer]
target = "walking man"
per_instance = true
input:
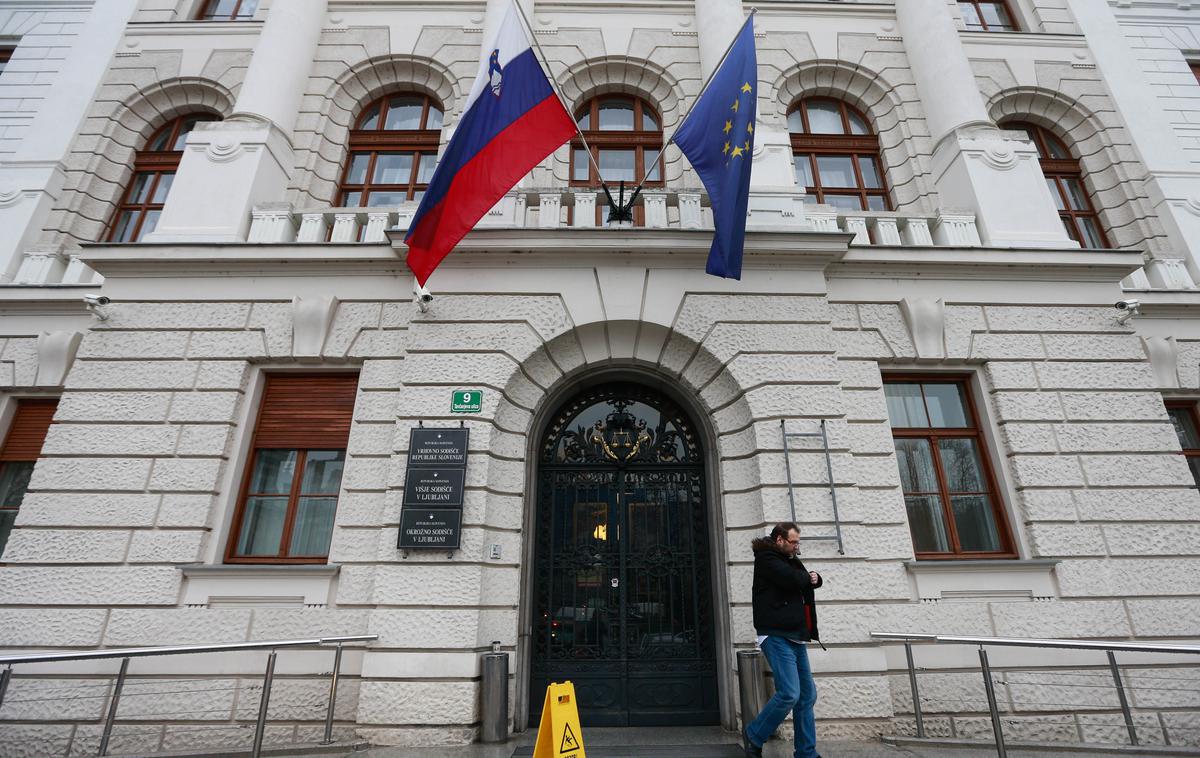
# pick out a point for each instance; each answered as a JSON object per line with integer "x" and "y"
{"x": 785, "y": 618}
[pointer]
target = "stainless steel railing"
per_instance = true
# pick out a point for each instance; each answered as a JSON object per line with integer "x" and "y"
{"x": 1110, "y": 648}
{"x": 125, "y": 654}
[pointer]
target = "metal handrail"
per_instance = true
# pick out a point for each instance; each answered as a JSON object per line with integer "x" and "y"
{"x": 142, "y": 652}
{"x": 1127, "y": 647}
{"x": 1110, "y": 649}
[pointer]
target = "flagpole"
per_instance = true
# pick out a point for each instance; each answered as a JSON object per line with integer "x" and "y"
{"x": 544, "y": 62}
{"x": 661, "y": 153}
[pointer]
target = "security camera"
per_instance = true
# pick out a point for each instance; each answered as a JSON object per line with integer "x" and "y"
{"x": 1128, "y": 309}
{"x": 95, "y": 304}
{"x": 423, "y": 297}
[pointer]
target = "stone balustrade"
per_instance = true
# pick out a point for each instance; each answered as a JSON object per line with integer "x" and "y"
{"x": 556, "y": 209}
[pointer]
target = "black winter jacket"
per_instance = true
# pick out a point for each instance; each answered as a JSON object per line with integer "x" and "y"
{"x": 783, "y": 593}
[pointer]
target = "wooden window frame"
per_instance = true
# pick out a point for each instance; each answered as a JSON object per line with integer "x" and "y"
{"x": 809, "y": 146}
{"x": 239, "y": 513}
{"x": 6, "y": 458}
{"x": 422, "y": 141}
{"x": 638, "y": 140}
{"x": 1190, "y": 407}
{"x": 156, "y": 164}
{"x": 1059, "y": 171}
{"x": 208, "y": 14}
{"x": 975, "y": 432}
{"x": 1012, "y": 17}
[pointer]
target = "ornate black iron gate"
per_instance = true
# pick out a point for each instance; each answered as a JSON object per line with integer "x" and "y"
{"x": 623, "y": 602}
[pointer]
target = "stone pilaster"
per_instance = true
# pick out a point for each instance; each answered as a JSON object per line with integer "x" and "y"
{"x": 978, "y": 168}
{"x": 250, "y": 154}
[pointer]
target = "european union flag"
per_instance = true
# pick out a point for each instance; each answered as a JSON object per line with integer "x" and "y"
{"x": 718, "y": 138}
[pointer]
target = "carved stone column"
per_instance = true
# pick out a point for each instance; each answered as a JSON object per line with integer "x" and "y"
{"x": 977, "y": 167}
{"x": 231, "y": 166}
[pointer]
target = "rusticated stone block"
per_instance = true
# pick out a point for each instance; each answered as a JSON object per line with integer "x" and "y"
{"x": 204, "y": 407}
{"x": 852, "y": 697}
{"x": 446, "y": 584}
{"x": 1167, "y": 469}
{"x": 1138, "y": 504}
{"x": 1063, "y": 618}
{"x": 1048, "y": 505}
{"x": 247, "y": 344}
{"x": 1163, "y": 687}
{"x": 222, "y": 375}
{"x": 112, "y": 345}
{"x": 132, "y": 375}
{"x": 66, "y": 546}
{"x": 1152, "y": 539}
{"x": 1052, "y": 540}
{"x": 87, "y": 509}
{"x": 54, "y": 699}
{"x": 192, "y": 737}
{"x": 1129, "y": 577}
{"x": 113, "y": 406}
{"x": 99, "y": 439}
{"x": 451, "y": 703}
{"x": 186, "y": 474}
{"x": 179, "y": 315}
{"x": 284, "y": 623}
{"x": 1087, "y": 375}
{"x": 1114, "y": 406}
{"x": 1166, "y": 617}
{"x": 34, "y": 740}
{"x": 1102, "y": 438}
{"x": 1109, "y": 728}
{"x": 126, "y": 739}
{"x": 1007, "y": 347}
{"x": 51, "y": 627}
{"x": 1027, "y": 406}
{"x": 299, "y": 699}
{"x": 1047, "y": 471}
{"x": 1005, "y": 375}
{"x": 163, "y": 546}
{"x": 94, "y": 585}
{"x": 90, "y": 474}
{"x": 129, "y": 627}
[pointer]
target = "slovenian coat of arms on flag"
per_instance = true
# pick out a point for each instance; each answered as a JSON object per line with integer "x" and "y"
{"x": 512, "y": 120}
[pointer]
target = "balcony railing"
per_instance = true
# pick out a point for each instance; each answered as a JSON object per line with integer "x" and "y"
{"x": 556, "y": 209}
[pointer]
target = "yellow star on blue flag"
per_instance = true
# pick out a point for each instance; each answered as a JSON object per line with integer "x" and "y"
{"x": 709, "y": 139}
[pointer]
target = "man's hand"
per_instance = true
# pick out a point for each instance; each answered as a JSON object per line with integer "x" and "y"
{"x": 812, "y": 575}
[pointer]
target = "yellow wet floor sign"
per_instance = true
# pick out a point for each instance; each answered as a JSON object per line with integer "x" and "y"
{"x": 559, "y": 735}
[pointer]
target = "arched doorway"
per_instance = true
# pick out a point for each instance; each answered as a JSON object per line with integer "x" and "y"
{"x": 622, "y": 586}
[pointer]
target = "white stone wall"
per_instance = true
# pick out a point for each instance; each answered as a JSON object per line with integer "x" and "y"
{"x": 1164, "y": 39}
{"x": 43, "y": 37}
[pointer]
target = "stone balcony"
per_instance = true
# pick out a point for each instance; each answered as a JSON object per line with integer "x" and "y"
{"x": 557, "y": 208}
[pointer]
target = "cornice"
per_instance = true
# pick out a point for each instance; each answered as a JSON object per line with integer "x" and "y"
{"x": 987, "y": 264}
{"x": 193, "y": 28}
{"x": 44, "y": 300}
{"x": 1167, "y": 304}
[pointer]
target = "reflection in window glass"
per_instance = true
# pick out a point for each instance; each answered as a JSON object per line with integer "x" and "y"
{"x": 906, "y": 408}
{"x": 617, "y": 165}
{"x": 836, "y": 171}
{"x": 824, "y": 118}
{"x": 616, "y": 116}
{"x": 945, "y": 404}
{"x": 404, "y": 113}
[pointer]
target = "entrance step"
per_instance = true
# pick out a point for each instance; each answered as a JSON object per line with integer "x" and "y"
{"x": 653, "y": 751}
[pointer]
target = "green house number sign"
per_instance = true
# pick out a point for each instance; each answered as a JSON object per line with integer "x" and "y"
{"x": 466, "y": 401}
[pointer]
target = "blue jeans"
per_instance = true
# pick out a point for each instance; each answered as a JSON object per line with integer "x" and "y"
{"x": 795, "y": 691}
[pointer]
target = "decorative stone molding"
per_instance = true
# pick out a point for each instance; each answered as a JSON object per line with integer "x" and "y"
{"x": 272, "y": 223}
{"x": 1164, "y": 358}
{"x": 984, "y": 579}
{"x": 549, "y": 204}
{"x": 40, "y": 268}
{"x": 689, "y": 210}
{"x": 376, "y": 226}
{"x": 857, "y": 225}
{"x": 822, "y": 218}
{"x": 956, "y": 230}
{"x": 1169, "y": 274}
{"x": 887, "y": 231}
{"x": 56, "y": 354}
{"x": 345, "y": 227}
{"x": 312, "y": 318}
{"x": 585, "y": 210}
{"x": 926, "y": 321}
{"x": 656, "y": 209}
{"x": 312, "y": 228}
{"x": 916, "y": 233}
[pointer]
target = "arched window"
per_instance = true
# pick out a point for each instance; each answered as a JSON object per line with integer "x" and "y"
{"x": 154, "y": 169}
{"x": 1065, "y": 179}
{"x": 393, "y": 149}
{"x": 837, "y": 155}
{"x": 625, "y": 135}
{"x": 228, "y": 10}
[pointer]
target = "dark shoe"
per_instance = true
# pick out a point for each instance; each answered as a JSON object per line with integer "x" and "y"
{"x": 751, "y": 749}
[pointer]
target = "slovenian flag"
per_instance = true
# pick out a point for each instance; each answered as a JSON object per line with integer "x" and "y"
{"x": 511, "y": 122}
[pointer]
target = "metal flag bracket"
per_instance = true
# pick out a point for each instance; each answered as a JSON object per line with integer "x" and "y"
{"x": 791, "y": 485}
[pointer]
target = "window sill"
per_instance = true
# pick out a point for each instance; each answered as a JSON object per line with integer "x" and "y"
{"x": 974, "y": 580}
{"x": 259, "y": 585}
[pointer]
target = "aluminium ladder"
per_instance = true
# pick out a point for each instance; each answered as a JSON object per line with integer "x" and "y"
{"x": 787, "y": 462}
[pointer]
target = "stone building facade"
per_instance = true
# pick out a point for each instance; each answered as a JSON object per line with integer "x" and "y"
{"x": 948, "y": 198}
